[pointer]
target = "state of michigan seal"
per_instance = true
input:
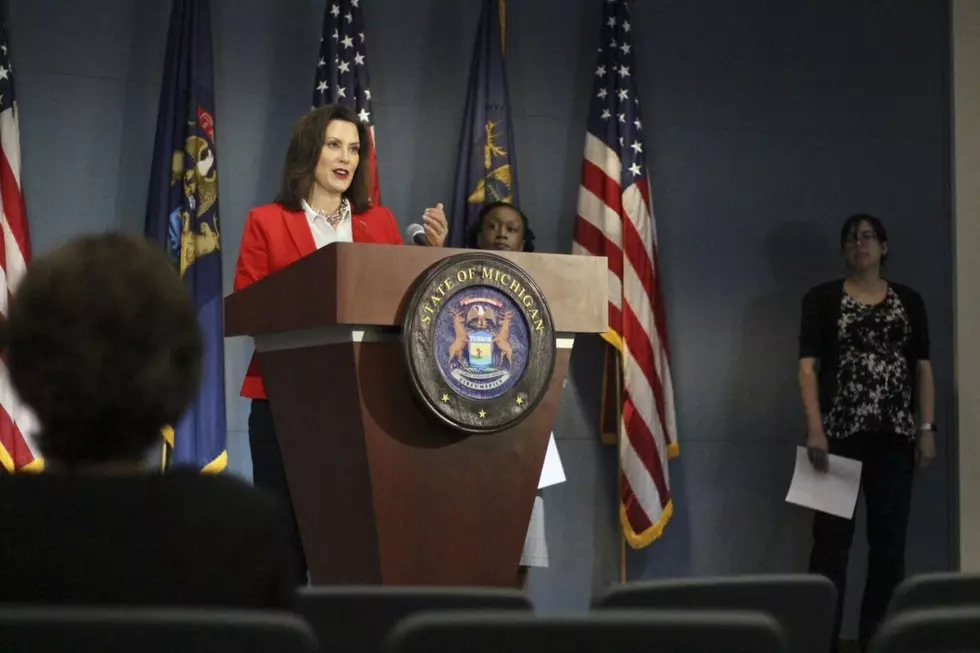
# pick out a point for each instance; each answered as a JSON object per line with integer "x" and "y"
{"x": 480, "y": 342}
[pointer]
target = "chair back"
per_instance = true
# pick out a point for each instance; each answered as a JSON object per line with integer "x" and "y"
{"x": 931, "y": 630}
{"x": 609, "y": 632}
{"x": 802, "y": 604}
{"x": 936, "y": 590}
{"x": 51, "y": 629}
{"x": 356, "y": 619}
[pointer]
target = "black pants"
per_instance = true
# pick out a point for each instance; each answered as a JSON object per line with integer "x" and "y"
{"x": 269, "y": 474}
{"x": 888, "y": 467}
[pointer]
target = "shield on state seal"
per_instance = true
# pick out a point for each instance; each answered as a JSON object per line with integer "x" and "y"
{"x": 481, "y": 349}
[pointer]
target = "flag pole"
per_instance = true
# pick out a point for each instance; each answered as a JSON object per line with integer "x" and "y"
{"x": 617, "y": 379}
{"x": 622, "y": 556}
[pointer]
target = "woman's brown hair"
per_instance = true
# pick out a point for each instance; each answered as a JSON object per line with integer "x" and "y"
{"x": 304, "y": 152}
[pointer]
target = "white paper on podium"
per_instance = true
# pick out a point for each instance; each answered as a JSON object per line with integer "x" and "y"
{"x": 552, "y": 473}
{"x": 834, "y": 491}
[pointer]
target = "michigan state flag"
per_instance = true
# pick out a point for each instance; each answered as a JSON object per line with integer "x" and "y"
{"x": 182, "y": 215}
{"x": 486, "y": 168}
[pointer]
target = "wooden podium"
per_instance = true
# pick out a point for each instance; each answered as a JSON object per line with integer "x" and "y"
{"x": 383, "y": 492}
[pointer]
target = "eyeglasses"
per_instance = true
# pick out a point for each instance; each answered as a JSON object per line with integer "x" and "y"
{"x": 865, "y": 238}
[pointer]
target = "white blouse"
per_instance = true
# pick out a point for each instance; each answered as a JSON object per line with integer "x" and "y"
{"x": 323, "y": 232}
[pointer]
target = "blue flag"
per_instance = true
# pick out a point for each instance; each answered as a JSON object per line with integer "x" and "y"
{"x": 182, "y": 215}
{"x": 486, "y": 168}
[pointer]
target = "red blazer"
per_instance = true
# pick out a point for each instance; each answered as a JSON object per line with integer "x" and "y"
{"x": 275, "y": 237}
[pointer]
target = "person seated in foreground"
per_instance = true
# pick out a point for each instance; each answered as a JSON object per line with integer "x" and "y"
{"x": 102, "y": 343}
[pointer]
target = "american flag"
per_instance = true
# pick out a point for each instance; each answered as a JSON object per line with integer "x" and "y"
{"x": 342, "y": 73}
{"x": 615, "y": 220}
{"x": 17, "y": 423}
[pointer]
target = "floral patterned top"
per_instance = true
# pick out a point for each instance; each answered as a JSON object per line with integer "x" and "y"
{"x": 873, "y": 377}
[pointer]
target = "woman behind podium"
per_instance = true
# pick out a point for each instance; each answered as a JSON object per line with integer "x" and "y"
{"x": 323, "y": 198}
{"x": 503, "y": 227}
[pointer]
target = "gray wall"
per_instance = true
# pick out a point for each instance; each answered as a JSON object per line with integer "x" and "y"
{"x": 768, "y": 122}
{"x": 772, "y": 122}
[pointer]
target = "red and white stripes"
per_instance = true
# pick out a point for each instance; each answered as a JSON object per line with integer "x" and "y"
{"x": 618, "y": 223}
{"x": 17, "y": 423}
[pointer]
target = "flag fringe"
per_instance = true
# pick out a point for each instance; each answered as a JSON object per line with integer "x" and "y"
{"x": 650, "y": 535}
{"x": 7, "y": 460}
{"x": 217, "y": 465}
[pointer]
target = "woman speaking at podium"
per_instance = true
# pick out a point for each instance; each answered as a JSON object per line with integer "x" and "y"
{"x": 323, "y": 199}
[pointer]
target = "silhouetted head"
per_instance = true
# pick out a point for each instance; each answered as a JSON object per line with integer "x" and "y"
{"x": 102, "y": 343}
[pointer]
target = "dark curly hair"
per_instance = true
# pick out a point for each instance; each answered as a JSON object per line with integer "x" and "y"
{"x": 473, "y": 235}
{"x": 304, "y": 152}
{"x": 102, "y": 342}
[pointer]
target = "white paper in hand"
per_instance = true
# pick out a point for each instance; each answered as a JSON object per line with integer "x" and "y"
{"x": 834, "y": 491}
{"x": 552, "y": 473}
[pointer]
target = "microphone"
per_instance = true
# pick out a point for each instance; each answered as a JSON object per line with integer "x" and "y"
{"x": 416, "y": 234}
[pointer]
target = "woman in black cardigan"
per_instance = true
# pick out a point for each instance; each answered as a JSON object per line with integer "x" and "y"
{"x": 864, "y": 373}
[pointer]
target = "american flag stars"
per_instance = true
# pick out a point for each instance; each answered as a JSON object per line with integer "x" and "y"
{"x": 346, "y": 80}
{"x": 615, "y": 99}
{"x": 6, "y": 80}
